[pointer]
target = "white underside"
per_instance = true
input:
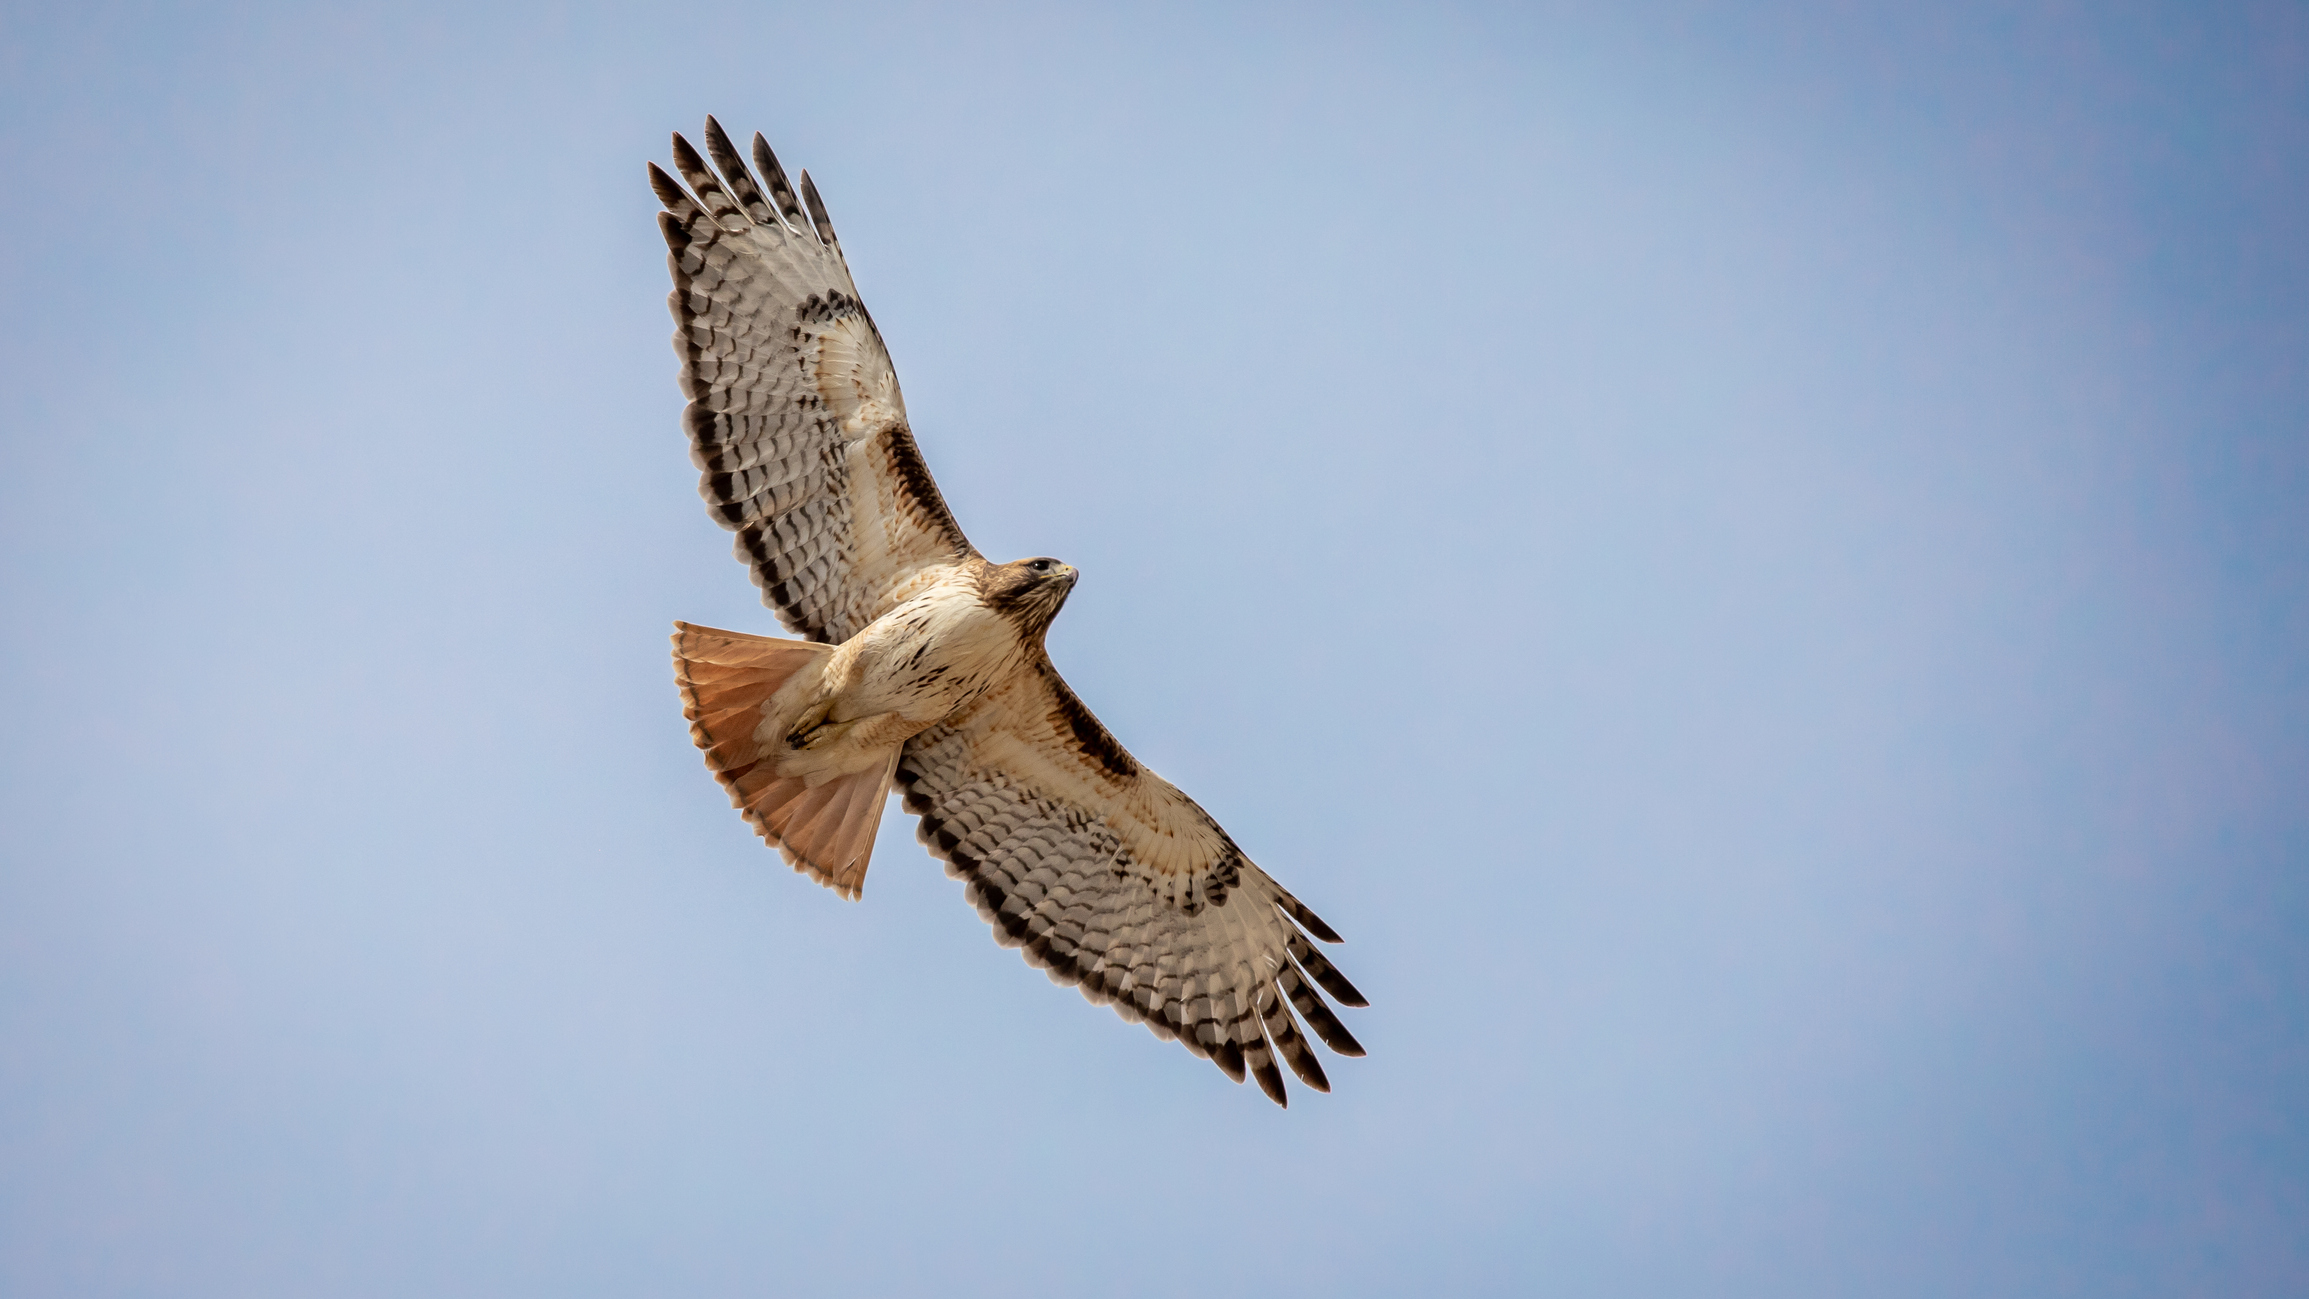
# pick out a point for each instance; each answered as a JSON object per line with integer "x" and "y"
{"x": 907, "y": 671}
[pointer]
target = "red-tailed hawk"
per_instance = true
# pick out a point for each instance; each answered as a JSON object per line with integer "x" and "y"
{"x": 924, "y": 665}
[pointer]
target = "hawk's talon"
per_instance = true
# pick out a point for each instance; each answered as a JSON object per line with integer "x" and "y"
{"x": 810, "y": 726}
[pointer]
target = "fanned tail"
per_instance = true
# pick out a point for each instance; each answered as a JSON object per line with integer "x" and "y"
{"x": 730, "y": 689}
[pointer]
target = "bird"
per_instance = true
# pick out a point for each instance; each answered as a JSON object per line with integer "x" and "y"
{"x": 921, "y": 665}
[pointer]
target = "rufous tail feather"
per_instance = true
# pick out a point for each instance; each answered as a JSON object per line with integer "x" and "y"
{"x": 727, "y": 682}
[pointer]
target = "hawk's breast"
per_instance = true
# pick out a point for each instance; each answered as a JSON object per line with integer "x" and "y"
{"x": 933, "y": 654}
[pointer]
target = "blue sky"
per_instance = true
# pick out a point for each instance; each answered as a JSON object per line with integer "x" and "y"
{"x": 1753, "y": 560}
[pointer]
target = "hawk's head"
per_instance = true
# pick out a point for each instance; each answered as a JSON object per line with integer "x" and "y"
{"x": 1029, "y": 592}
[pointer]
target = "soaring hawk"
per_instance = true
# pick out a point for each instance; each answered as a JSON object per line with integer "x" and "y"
{"x": 922, "y": 664}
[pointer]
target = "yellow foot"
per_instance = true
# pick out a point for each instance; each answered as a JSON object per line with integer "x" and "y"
{"x": 812, "y": 729}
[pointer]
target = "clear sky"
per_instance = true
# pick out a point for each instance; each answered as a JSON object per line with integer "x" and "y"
{"x": 1754, "y": 560}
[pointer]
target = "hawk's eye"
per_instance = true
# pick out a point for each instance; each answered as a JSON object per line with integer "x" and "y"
{"x": 1041, "y": 566}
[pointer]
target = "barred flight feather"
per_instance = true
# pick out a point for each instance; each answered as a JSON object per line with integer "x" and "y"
{"x": 1208, "y": 964}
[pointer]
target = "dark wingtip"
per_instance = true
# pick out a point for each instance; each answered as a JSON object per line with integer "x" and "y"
{"x": 1308, "y": 920}
{"x": 818, "y": 215}
{"x": 773, "y": 175}
{"x": 1325, "y": 976}
{"x": 1229, "y": 1057}
{"x": 1271, "y": 1082}
{"x": 669, "y": 190}
{"x": 742, "y": 185}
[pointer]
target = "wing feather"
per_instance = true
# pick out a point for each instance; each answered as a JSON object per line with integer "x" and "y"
{"x": 796, "y": 422}
{"x": 818, "y": 217}
{"x": 733, "y": 167}
{"x": 781, "y": 189}
{"x": 1110, "y": 879}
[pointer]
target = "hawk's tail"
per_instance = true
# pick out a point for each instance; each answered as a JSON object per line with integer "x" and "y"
{"x": 730, "y": 684}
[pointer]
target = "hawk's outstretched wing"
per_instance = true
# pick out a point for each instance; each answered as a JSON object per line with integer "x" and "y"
{"x": 1113, "y": 880}
{"x": 794, "y": 415}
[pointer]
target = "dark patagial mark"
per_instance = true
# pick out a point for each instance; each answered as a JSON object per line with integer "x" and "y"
{"x": 1089, "y": 735}
{"x": 906, "y": 463}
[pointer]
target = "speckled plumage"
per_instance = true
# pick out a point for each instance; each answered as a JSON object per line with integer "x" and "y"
{"x": 924, "y": 663}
